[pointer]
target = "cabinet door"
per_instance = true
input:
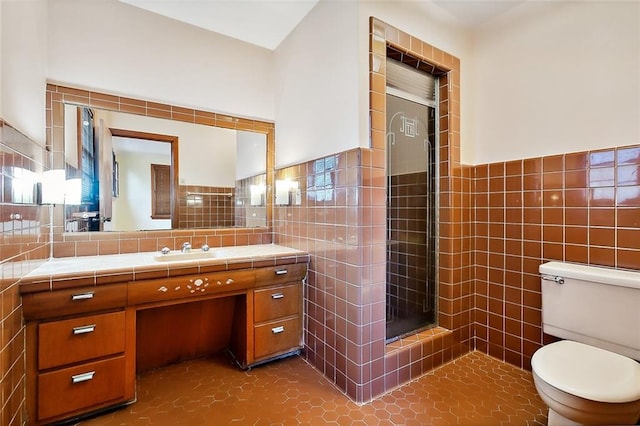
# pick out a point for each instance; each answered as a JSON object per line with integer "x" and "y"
{"x": 281, "y": 274}
{"x": 277, "y": 337}
{"x": 79, "y": 339}
{"x": 73, "y": 301}
{"x": 276, "y": 302}
{"x": 82, "y": 387}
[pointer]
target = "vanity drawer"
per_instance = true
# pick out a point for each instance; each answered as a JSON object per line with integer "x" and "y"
{"x": 189, "y": 286}
{"x": 277, "y": 337}
{"x": 79, "y": 339}
{"x": 83, "y": 387}
{"x": 275, "y": 302}
{"x": 281, "y": 274}
{"x": 58, "y": 303}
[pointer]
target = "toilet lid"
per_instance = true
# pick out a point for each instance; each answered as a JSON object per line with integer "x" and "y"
{"x": 588, "y": 372}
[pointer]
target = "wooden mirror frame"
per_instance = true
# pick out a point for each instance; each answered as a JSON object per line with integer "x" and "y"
{"x": 57, "y": 96}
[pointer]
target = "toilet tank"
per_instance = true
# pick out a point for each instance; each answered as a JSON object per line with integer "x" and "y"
{"x": 593, "y": 305}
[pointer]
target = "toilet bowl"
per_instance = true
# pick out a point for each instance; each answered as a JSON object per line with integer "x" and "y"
{"x": 585, "y": 385}
{"x": 592, "y": 376}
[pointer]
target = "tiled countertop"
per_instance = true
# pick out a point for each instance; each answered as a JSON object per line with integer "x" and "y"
{"x": 69, "y": 272}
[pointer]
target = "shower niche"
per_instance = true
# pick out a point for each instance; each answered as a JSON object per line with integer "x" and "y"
{"x": 411, "y": 173}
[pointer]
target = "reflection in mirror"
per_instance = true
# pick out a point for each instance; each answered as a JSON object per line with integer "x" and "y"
{"x": 146, "y": 173}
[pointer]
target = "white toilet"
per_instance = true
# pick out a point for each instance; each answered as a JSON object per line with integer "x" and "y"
{"x": 592, "y": 377}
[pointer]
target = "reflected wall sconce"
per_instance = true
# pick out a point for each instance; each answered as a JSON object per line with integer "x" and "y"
{"x": 22, "y": 186}
{"x": 287, "y": 193}
{"x": 73, "y": 192}
{"x": 52, "y": 186}
{"x": 257, "y": 193}
{"x": 56, "y": 189}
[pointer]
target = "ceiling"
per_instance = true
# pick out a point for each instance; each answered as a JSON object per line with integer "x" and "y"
{"x": 266, "y": 23}
{"x": 261, "y": 22}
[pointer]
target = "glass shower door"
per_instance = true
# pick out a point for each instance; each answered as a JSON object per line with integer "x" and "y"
{"x": 411, "y": 217}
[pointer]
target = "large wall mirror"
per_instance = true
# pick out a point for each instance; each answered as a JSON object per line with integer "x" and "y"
{"x": 140, "y": 166}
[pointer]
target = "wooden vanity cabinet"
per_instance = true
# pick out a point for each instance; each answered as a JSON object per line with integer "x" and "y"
{"x": 78, "y": 351}
{"x": 277, "y": 321}
{"x": 277, "y": 312}
{"x": 81, "y": 342}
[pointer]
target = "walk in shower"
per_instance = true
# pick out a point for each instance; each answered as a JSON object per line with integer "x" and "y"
{"x": 411, "y": 152}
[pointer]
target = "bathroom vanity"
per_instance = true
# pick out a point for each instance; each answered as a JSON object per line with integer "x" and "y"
{"x": 93, "y": 323}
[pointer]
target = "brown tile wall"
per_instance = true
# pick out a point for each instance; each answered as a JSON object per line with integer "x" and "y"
{"x": 577, "y": 207}
{"x": 101, "y": 243}
{"x": 245, "y": 213}
{"x": 204, "y": 207}
{"x": 24, "y": 245}
{"x": 94, "y": 243}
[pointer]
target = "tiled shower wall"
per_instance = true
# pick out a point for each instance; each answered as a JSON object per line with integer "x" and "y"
{"x": 577, "y": 207}
{"x": 408, "y": 273}
{"x": 455, "y": 278}
{"x": 341, "y": 223}
{"x": 205, "y": 206}
{"x": 24, "y": 245}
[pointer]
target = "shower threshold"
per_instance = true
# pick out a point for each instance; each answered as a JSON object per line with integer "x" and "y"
{"x": 397, "y": 329}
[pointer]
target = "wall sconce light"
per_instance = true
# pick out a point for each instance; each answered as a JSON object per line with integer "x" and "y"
{"x": 73, "y": 192}
{"x": 53, "y": 186}
{"x": 287, "y": 193}
{"x": 257, "y": 194}
{"x": 56, "y": 189}
{"x": 22, "y": 186}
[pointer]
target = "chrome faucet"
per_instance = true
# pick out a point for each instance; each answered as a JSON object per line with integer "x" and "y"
{"x": 186, "y": 247}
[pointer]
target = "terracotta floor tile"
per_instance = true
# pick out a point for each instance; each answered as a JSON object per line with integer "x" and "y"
{"x": 472, "y": 390}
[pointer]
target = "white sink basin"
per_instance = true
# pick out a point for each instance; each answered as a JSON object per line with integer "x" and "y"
{"x": 176, "y": 256}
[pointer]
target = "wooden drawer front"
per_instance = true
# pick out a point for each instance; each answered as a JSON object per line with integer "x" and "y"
{"x": 281, "y": 274}
{"x": 276, "y": 302}
{"x": 51, "y": 304}
{"x": 80, "y": 339}
{"x": 277, "y": 337}
{"x": 189, "y": 286}
{"x": 97, "y": 383}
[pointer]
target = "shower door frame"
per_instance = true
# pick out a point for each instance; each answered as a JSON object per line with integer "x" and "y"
{"x": 436, "y": 200}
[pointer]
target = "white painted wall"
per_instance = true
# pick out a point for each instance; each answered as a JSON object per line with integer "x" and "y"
{"x": 1, "y": 57}
{"x": 251, "y": 148}
{"x": 23, "y": 65}
{"x": 206, "y": 154}
{"x": 113, "y": 47}
{"x": 527, "y": 77}
{"x": 132, "y": 208}
{"x": 322, "y": 74}
{"x": 317, "y": 83}
{"x": 556, "y": 77}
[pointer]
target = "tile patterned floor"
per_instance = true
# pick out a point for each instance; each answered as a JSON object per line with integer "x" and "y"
{"x": 473, "y": 390}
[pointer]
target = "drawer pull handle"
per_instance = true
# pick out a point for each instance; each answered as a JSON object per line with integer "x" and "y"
{"x": 84, "y": 329}
{"x": 281, "y": 272}
{"x": 84, "y": 377}
{"x": 276, "y": 330}
{"x": 82, "y": 296}
{"x": 277, "y": 296}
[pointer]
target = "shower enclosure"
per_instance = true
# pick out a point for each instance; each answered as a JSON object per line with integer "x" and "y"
{"x": 411, "y": 200}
